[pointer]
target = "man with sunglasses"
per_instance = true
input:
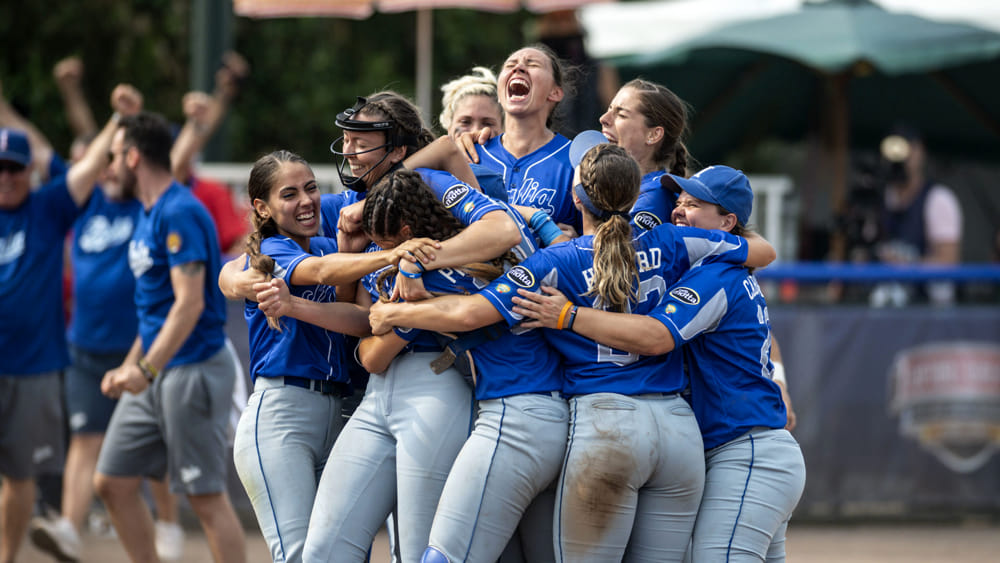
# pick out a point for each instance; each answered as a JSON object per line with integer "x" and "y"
{"x": 33, "y": 226}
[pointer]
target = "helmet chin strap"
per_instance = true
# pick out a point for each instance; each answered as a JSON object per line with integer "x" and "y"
{"x": 357, "y": 183}
{"x": 347, "y": 121}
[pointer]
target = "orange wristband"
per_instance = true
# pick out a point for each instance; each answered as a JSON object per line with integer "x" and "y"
{"x": 562, "y": 314}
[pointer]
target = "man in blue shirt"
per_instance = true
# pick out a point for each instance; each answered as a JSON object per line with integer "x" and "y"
{"x": 175, "y": 384}
{"x": 33, "y": 226}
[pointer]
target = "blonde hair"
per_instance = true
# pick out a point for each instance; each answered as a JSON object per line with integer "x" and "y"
{"x": 611, "y": 178}
{"x": 480, "y": 82}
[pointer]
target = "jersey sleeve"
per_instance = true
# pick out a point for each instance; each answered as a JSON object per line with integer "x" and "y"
{"x": 187, "y": 230}
{"x": 943, "y": 216}
{"x": 526, "y": 275}
{"x": 707, "y": 247}
{"x": 694, "y": 305}
{"x": 462, "y": 200}
{"x": 287, "y": 254}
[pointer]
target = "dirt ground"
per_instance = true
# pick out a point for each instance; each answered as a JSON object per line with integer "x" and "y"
{"x": 869, "y": 543}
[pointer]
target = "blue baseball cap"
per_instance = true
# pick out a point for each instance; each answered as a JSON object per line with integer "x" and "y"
{"x": 583, "y": 142}
{"x": 14, "y": 146}
{"x": 724, "y": 186}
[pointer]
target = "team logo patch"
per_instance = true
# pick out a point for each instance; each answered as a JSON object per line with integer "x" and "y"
{"x": 685, "y": 295}
{"x": 647, "y": 220}
{"x": 454, "y": 194}
{"x": 521, "y": 276}
{"x": 174, "y": 242}
{"x": 670, "y": 309}
{"x": 503, "y": 288}
{"x": 469, "y": 207}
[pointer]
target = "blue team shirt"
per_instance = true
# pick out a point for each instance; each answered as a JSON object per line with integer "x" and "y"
{"x": 654, "y": 204}
{"x": 542, "y": 179}
{"x": 104, "y": 314}
{"x": 301, "y": 349}
{"x": 718, "y": 314}
{"x": 177, "y": 230}
{"x": 32, "y": 319}
{"x": 662, "y": 255}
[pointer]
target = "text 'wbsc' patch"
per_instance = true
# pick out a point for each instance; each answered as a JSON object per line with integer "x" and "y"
{"x": 685, "y": 295}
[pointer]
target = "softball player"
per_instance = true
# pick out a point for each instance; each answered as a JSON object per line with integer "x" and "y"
{"x": 294, "y": 414}
{"x": 398, "y": 446}
{"x": 516, "y": 448}
{"x": 650, "y": 122}
{"x": 755, "y": 471}
{"x": 533, "y": 160}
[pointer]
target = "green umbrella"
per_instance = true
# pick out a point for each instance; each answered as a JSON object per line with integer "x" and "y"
{"x": 845, "y": 69}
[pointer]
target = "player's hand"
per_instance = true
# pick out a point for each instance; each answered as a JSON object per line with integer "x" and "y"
{"x": 126, "y": 99}
{"x": 196, "y": 106}
{"x": 124, "y": 378}
{"x": 567, "y": 231}
{"x": 68, "y": 72}
{"x": 790, "y": 424}
{"x": 409, "y": 289}
{"x": 273, "y": 298}
{"x": 414, "y": 250}
{"x": 467, "y": 143}
{"x": 540, "y": 311}
{"x": 378, "y": 317}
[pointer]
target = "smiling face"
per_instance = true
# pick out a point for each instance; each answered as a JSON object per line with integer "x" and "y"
{"x": 693, "y": 212}
{"x": 362, "y": 159}
{"x": 624, "y": 125}
{"x": 292, "y": 202}
{"x": 474, "y": 112}
{"x": 527, "y": 83}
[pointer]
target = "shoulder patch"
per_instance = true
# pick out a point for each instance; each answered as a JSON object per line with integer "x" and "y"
{"x": 646, "y": 220}
{"x": 502, "y": 288}
{"x": 469, "y": 207}
{"x": 670, "y": 309}
{"x": 454, "y": 194}
{"x": 174, "y": 242}
{"x": 521, "y": 276}
{"x": 685, "y": 295}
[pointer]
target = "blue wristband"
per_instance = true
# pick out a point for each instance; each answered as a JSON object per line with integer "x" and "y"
{"x": 412, "y": 276}
{"x": 544, "y": 227}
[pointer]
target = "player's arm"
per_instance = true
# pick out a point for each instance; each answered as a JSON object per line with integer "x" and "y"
{"x": 236, "y": 283}
{"x": 274, "y": 300}
{"x": 82, "y": 176}
{"x": 639, "y": 334}
{"x": 779, "y": 379}
{"x": 346, "y": 267}
{"x": 760, "y": 253}
{"x": 377, "y": 352}
{"x": 448, "y": 313}
{"x": 443, "y": 154}
{"x": 188, "y": 283}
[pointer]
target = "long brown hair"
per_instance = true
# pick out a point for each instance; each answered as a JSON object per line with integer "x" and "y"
{"x": 263, "y": 176}
{"x": 660, "y": 107}
{"x": 610, "y": 178}
{"x": 404, "y": 192}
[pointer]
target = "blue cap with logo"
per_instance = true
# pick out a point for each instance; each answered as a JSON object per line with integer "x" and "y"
{"x": 14, "y": 146}
{"x": 583, "y": 142}
{"x": 724, "y": 186}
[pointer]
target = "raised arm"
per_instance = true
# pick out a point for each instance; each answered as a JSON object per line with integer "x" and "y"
{"x": 443, "y": 154}
{"x": 82, "y": 176}
{"x": 41, "y": 148}
{"x": 69, "y": 74}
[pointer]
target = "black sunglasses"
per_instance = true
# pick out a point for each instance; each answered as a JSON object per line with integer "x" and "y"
{"x": 11, "y": 166}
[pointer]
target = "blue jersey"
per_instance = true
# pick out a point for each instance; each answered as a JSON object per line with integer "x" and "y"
{"x": 177, "y": 230}
{"x": 32, "y": 319}
{"x": 104, "y": 315}
{"x": 300, "y": 349}
{"x": 519, "y": 361}
{"x": 662, "y": 255}
{"x": 542, "y": 179}
{"x": 654, "y": 204}
{"x": 718, "y": 312}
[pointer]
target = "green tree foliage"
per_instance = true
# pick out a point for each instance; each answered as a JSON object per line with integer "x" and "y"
{"x": 304, "y": 70}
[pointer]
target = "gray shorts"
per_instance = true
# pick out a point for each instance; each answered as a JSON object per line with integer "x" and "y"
{"x": 178, "y": 426}
{"x": 88, "y": 409}
{"x": 32, "y": 431}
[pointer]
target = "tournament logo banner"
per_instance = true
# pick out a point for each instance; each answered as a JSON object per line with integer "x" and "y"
{"x": 947, "y": 397}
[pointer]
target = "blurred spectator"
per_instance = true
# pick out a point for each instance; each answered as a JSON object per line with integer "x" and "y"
{"x": 922, "y": 220}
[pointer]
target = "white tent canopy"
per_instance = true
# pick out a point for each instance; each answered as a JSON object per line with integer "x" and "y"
{"x": 648, "y": 27}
